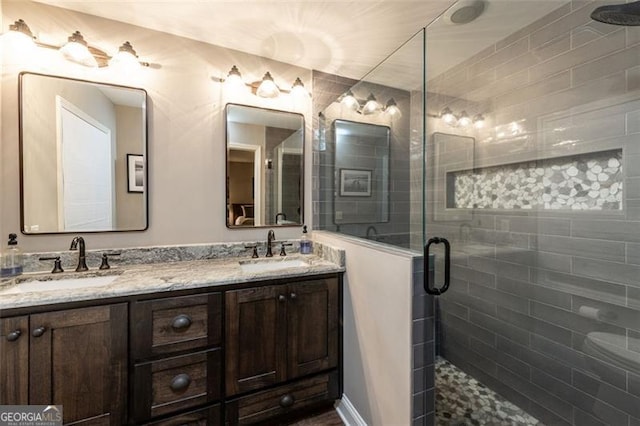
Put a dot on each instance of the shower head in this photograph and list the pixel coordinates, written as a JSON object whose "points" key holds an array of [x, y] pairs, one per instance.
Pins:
{"points": [[627, 14]]}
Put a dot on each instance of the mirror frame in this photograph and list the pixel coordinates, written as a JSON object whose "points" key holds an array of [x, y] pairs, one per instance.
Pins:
{"points": [[21, 153], [226, 168]]}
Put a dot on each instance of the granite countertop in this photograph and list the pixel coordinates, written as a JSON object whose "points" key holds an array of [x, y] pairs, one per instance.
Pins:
{"points": [[157, 277]]}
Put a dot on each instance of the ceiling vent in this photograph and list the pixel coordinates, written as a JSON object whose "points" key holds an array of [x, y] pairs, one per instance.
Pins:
{"points": [[465, 11]]}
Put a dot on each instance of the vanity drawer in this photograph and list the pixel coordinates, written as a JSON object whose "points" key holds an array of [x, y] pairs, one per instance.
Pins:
{"points": [[206, 417], [177, 383], [262, 406], [163, 326]]}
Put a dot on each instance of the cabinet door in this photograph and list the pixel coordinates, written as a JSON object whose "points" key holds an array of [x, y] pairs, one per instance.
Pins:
{"points": [[255, 341], [78, 359], [313, 326], [14, 361]]}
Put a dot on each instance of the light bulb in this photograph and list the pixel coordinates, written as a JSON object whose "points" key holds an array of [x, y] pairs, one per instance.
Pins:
{"points": [[371, 105], [234, 82], [392, 108], [350, 101], [447, 116], [126, 58], [268, 88], [464, 120], [76, 50], [478, 121], [298, 89]]}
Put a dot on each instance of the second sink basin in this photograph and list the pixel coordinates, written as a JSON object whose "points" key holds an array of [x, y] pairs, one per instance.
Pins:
{"points": [[61, 284], [267, 265]]}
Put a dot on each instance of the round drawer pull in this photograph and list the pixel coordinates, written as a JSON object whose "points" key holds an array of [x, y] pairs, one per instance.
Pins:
{"points": [[38, 332], [181, 322], [14, 335], [180, 382], [287, 401], [282, 298]]}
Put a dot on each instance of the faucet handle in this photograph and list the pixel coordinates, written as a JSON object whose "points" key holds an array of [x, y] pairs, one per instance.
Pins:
{"points": [[57, 264], [105, 260], [255, 250], [282, 246]]}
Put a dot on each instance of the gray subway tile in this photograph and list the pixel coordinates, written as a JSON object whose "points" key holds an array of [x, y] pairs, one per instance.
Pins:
{"points": [[571, 320], [535, 359], [501, 358], [606, 229], [423, 330], [618, 61], [584, 419], [500, 298], [583, 247], [559, 26], [453, 308], [500, 327], [600, 269], [609, 394], [536, 393], [578, 398], [573, 284], [420, 379], [536, 225], [607, 312], [419, 404], [469, 329], [535, 325], [560, 352], [473, 276], [535, 292]]}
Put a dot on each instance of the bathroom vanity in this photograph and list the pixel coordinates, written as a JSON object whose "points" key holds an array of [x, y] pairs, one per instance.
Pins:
{"points": [[196, 343]]}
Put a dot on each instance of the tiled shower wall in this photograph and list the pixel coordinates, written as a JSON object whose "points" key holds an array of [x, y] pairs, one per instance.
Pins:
{"points": [[531, 291]]}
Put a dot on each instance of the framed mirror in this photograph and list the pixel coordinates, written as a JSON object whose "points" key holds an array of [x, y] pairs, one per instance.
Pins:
{"points": [[362, 172], [265, 167], [83, 156]]}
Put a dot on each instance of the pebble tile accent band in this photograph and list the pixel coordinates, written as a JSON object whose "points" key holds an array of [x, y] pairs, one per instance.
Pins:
{"points": [[463, 401], [584, 182]]}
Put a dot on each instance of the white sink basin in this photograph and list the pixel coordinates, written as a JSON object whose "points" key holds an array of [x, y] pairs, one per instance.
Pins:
{"points": [[257, 266], [61, 284]]}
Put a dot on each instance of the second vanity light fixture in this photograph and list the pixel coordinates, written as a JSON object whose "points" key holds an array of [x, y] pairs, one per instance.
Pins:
{"points": [[77, 50], [370, 105], [462, 119], [265, 88]]}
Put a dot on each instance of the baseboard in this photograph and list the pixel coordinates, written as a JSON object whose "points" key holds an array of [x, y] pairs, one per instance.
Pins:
{"points": [[348, 413]]}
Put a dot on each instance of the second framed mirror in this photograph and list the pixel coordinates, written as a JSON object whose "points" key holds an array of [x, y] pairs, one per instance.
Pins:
{"points": [[265, 167]]}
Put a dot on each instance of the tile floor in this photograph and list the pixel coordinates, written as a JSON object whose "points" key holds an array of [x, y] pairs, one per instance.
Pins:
{"points": [[463, 401]]}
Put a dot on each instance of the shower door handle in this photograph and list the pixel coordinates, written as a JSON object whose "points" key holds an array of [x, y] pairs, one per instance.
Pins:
{"points": [[428, 285]]}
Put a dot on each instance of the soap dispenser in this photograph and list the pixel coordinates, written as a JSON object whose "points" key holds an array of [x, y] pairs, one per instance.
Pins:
{"points": [[306, 246], [11, 258]]}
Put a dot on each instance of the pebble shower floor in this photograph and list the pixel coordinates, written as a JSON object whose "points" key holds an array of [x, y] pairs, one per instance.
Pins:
{"points": [[463, 401]]}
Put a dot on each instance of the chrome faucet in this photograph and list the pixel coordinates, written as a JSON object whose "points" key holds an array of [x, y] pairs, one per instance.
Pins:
{"points": [[271, 236], [82, 260]]}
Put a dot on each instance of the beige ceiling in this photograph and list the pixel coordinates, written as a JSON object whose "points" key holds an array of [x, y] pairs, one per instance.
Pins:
{"points": [[344, 37]]}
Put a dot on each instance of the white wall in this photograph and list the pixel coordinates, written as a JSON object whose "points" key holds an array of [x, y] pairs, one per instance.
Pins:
{"points": [[186, 124], [377, 330]]}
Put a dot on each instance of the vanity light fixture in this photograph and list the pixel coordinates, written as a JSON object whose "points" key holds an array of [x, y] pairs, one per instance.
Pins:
{"points": [[77, 50], [370, 105], [265, 88], [461, 120]]}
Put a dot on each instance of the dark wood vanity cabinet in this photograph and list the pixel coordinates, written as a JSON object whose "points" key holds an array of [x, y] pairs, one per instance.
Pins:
{"points": [[239, 355], [274, 335], [176, 359], [76, 358]]}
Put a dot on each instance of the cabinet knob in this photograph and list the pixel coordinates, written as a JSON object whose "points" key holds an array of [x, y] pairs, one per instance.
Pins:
{"points": [[37, 332], [282, 298], [14, 335], [180, 382], [293, 296], [181, 322], [287, 401]]}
